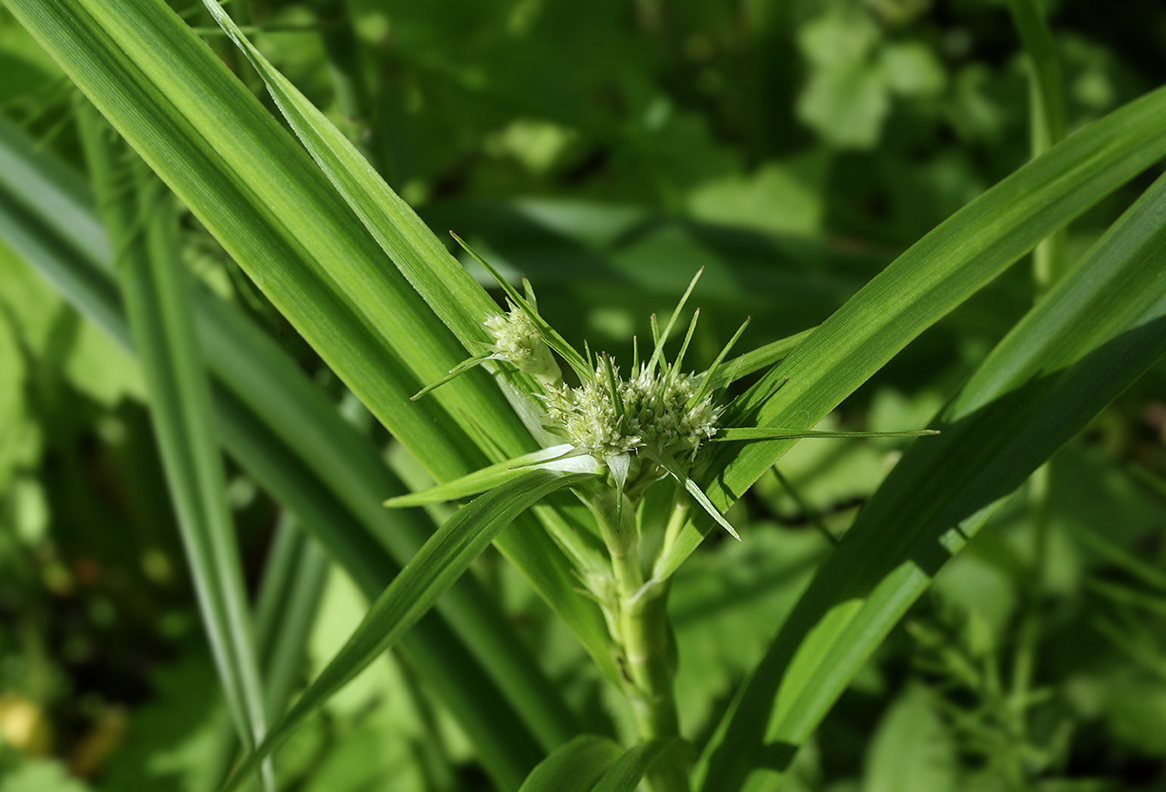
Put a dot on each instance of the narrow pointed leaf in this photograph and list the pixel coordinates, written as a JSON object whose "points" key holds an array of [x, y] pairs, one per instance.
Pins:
{"points": [[709, 381], [581, 367], [287, 435], [745, 433], [1092, 335], [143, 224], [613, 386], [560, 457], [627, 771], [679, 362], [449, 290], [576, 766], [755, 360], [661, 338], [439, 563], [677, 472], [454, 373]]}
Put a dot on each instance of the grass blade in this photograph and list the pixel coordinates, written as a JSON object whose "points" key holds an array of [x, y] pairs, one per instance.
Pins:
{"points": [[279, 217], [492, 476], [1093, 335], [944, 268], [575, 767], [439, 563], [144, 227], [740, 433], [289, 437], [582, 368], [289, 598], [627, 771], [285, 609], [1048, 119]]}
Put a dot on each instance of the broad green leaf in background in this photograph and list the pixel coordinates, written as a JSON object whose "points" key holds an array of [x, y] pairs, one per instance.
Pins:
{"points": [[912, 749], [156, 289], [286, 434], [439, 563], [1093, 335], [258, 192]]}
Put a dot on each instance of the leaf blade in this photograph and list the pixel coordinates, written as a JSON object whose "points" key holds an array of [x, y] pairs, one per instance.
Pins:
{"points": [[1094, 333], [284, 432], [278, 216], [627, 771], [945, 267], [574, 767], [143, 225], [435, 567]]}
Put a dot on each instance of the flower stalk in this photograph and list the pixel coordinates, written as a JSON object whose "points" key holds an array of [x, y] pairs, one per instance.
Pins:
{"points": [[626, 434], [639, 613]]}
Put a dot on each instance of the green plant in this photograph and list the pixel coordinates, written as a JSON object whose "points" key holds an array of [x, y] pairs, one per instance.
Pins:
{"points": [[379, 298]]}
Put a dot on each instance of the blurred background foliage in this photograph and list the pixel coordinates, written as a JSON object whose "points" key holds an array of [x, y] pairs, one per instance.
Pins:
{"points": [[607, 150]]}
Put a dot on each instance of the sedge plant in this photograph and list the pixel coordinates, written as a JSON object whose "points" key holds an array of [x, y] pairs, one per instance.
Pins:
{"points": [[655, 453], [622, 435]]}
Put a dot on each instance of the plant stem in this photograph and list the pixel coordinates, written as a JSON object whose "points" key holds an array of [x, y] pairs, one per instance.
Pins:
{"points": [[644, 633], [646, 639]]}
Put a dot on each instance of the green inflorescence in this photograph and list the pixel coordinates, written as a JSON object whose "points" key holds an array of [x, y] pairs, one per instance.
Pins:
{"points": [[518, 342], [652, 410]]}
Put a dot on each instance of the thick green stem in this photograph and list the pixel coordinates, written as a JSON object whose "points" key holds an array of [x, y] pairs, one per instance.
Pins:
{"points": [[650, 669], [644, 633]]}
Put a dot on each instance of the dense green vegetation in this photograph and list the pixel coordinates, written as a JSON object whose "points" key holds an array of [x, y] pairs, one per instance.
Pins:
{"points": [[213, 314]]}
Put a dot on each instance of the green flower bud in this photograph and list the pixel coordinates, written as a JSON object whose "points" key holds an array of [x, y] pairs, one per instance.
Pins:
{"points": [[518, 341]]}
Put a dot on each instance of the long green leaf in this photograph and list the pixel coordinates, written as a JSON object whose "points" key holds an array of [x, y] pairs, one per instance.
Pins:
{"points": [[439, 563], [461, 304], [1092, 336], [1048, 118], [288, 436], [156, 289], [289, 597], [554, 458], [627, 771], [262, 196], [774, 432], [285, 609], [936, 274], [496, 694], [453, 294], [574, 767]]}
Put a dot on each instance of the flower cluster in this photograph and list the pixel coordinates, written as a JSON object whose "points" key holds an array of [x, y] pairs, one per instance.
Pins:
{"points": [[659, 415], [656, 409]]}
